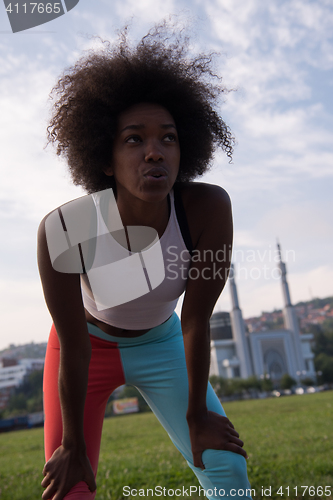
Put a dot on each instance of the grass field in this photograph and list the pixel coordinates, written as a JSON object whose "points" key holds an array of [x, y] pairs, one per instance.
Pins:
{"points": [[289, 442]]}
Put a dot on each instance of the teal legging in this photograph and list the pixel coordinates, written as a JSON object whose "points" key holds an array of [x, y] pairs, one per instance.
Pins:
{"points": [[155, 364]]}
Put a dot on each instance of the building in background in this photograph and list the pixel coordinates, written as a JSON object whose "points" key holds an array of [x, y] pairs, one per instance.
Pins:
{"points": [[12, 374], [236, 352]]}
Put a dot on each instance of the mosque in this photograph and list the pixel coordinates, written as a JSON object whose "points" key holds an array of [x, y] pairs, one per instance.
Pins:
{"points": [[238, 353]]}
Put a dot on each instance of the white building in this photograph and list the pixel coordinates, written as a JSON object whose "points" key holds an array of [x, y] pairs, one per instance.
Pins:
{"points": [[12, 376], [13, 373], [237, 353]]}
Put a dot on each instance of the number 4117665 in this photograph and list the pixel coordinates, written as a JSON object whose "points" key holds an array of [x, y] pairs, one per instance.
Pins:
{"points": [[35, 7], [310, 490]]}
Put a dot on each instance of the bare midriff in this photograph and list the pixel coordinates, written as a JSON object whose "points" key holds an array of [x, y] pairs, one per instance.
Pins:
{"points": [[113, 330]]}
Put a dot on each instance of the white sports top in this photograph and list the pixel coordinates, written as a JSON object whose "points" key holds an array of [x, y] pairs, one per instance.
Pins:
{"points": [[150, 309]]}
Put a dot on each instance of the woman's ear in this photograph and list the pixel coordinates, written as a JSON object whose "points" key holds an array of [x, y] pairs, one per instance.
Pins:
{"points": [[108, 170]]}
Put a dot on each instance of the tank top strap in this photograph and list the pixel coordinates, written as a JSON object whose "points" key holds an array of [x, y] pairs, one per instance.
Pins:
{"points": [[182, 219]]}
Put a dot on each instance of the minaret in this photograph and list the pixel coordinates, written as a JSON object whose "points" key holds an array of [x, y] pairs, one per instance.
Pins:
{"points": [[238, 329], [290, 317]]}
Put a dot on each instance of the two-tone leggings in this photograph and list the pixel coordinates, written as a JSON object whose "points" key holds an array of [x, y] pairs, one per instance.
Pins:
{"points": [[155, 364]]}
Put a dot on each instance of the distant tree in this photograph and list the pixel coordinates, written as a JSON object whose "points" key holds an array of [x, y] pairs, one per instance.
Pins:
{"points": [[287, 381], [215, 382], [266, 384], [312, 328], [327, 327], [235, 386], [323, 350], [324, 364], [17, 403], [308, 381], [252, 383], [225, 387], [32, 384], [319, 303], [220, 385], [27, 397]]}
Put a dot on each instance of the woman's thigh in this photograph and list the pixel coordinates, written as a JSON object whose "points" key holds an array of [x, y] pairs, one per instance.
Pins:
{"points": [[159, 371], [105, 375]]}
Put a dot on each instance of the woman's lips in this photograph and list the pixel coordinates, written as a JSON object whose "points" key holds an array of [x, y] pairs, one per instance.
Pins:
{"points": [[156, 179], [156, 174]]}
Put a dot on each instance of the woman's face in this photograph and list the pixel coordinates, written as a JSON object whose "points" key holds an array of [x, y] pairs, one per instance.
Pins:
{"points": [[146, 153]]}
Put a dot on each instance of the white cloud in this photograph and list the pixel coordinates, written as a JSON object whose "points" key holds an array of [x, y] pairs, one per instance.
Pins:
{"points": [[232, 22], [31, 177], [274, 112], [307, 26], [145, 11]]}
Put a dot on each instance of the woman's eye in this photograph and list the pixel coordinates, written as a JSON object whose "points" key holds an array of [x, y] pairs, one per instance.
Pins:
{"points": [[133, 139], [170, 138]]}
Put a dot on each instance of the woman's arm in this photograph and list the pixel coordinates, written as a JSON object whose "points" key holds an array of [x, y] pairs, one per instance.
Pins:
{"points": [[69, 464], [208, 275]]}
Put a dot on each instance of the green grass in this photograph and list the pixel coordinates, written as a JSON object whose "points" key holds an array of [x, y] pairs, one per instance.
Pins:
{"points": [[289, 442]]}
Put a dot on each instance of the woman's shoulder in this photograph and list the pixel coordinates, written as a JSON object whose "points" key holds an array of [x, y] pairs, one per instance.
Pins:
{"points": [[203, 198], [203, 203], [194, 193], [68, 233]]}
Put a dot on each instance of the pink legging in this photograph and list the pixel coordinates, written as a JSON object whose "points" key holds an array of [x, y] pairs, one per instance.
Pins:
{"points": [[105, 375]]}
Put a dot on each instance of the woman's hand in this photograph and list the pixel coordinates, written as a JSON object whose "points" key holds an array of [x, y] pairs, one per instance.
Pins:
{"points": [[215, 432], [64, 470]]}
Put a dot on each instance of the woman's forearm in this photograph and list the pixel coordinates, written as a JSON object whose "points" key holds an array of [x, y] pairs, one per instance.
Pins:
{"points": [[197, 353], [73, 381]]}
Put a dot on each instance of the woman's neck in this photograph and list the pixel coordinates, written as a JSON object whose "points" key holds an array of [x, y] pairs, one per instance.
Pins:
{"points": [[143, 213]]}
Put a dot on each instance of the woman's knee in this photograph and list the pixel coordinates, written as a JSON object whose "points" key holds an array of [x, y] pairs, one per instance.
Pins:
{"points": [[225, 475], [226, 461]]}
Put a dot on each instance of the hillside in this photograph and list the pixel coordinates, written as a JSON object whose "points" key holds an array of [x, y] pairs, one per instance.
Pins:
{"points": [[31, 350]]}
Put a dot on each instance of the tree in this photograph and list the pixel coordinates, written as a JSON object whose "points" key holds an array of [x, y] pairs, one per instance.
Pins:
{"points": [[323, 342], [327, 326], [323, 350], [266, 384], [27, 397], [17, 403], [225, 387], [308, 381], [219, 385], [287, 381], [324, 364], [252, 383]]}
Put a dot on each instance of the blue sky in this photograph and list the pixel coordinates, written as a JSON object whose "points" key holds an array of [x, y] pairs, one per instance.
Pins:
{"points": [[277, 55]]}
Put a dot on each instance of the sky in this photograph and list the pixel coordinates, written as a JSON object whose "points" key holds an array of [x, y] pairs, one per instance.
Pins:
{"points": [[276, 58]]}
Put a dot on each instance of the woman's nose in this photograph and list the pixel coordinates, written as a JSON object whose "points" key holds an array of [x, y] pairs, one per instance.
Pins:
{"points": [[153, 153]]}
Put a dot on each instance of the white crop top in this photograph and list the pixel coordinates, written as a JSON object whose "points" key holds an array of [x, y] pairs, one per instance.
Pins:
{"points": [[156, 306]]}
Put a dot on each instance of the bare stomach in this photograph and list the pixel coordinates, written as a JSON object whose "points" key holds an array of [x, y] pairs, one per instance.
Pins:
{"points": [[113, 330]]}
